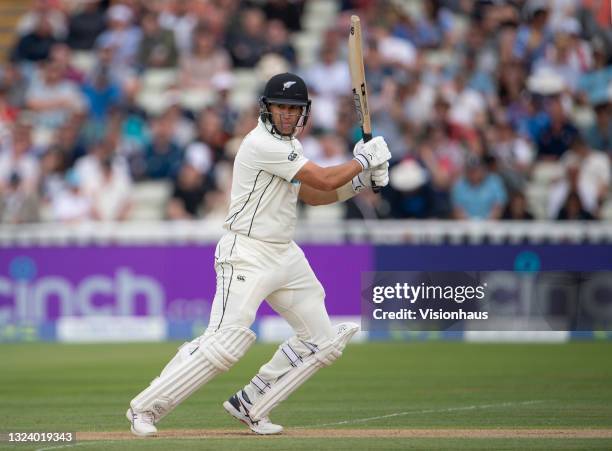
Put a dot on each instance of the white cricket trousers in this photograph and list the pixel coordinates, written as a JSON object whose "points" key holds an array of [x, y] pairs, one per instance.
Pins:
{"points": [[249, 271]]}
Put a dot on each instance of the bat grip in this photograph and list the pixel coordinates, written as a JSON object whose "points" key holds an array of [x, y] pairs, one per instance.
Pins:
{"points": [[366, 138]]}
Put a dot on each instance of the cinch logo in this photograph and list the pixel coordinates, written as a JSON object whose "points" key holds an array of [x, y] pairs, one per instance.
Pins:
{"points": [[23, 296]]}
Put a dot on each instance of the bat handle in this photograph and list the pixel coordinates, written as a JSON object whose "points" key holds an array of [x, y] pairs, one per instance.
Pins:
{"points": [[366, 138]]}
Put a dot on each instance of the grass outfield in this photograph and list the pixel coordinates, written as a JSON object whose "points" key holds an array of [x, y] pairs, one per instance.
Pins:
{"points": [[378, 396]]}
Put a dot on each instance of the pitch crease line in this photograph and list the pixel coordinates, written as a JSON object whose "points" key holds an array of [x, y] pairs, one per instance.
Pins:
{"points": [[416, 412]]}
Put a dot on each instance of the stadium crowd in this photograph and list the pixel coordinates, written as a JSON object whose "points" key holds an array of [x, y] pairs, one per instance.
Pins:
{"points": [[490, 108]]}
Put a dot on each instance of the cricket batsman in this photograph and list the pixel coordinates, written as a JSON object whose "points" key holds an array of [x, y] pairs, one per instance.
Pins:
{"points": [[257, 259]]}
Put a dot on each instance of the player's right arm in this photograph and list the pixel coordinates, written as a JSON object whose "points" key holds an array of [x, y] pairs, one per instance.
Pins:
{"points": [[329, 178], [367, 156]]}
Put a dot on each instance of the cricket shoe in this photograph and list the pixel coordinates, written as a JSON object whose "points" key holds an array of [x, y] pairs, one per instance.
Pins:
{"points": [[143, 423], [238, 406]]}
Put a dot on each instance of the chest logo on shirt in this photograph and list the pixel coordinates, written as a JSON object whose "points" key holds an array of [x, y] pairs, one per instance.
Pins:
{"points": [[292, 156]]}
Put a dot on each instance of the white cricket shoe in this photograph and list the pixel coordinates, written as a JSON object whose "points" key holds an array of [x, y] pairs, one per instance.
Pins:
{"points": [[238, 407], [143, 423]]}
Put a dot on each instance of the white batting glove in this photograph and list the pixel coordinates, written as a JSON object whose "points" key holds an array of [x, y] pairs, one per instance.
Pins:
{"points": [[380, 174], [373, 153], [362, 181]]}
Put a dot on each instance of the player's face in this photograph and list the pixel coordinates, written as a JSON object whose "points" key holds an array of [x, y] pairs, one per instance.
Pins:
{"points": [[285, 117]]}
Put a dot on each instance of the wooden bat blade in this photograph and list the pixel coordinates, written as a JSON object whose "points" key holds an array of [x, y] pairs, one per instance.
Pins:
{"points": [[358, 81]]}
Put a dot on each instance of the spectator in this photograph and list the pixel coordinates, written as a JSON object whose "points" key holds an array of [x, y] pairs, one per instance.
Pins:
{"points": [[18, 205], [181, 17], [35, 45], [277, 41], [588, 174], [210, 132], [157, 46], [71, 205], [513, 155], [287, 11], [333, 151], [94, 176], [101, 94], [516, 209], [554, 139], [189, 193], [85, 26], [328, 79], [111, 201], [52, 99], [206, 61], [62, 56], [573, 210], [19, 158], [479, 194], [599, 135], [69, 140], [50, 11], [162, 156], [121, 36], [51, 181], [246, 45], [533, 37]]}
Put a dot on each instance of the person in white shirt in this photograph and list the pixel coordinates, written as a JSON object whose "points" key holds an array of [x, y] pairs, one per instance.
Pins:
{"points": [[257, 259]]}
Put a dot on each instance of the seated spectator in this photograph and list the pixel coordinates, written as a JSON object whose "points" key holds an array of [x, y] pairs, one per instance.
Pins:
{"points": [[206, 60], [246, 45], [567, 55], [101, 94], [573, 209], [599, 135], [121, 36], [333, 151], [111, 201], [189, 193], [533, 37], [71, 205], [157, 46], [182, 18], [50, 10], [51, 181], [162, 156], [8, 112], [62, 56], [277, 41], [210, 132], [19, 158], [36, 45], [587, 174], [513, 155], [479, 194], [558, 135], [17, 204], [93, 174], [516, 209], [52, 99], [85, 26], [287, 11]]}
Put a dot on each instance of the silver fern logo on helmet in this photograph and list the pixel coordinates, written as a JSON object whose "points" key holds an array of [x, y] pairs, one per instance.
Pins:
{"points": [[288, 84]]}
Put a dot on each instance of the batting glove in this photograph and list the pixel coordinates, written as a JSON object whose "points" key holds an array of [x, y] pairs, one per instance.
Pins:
{"points": [[373, 153]]}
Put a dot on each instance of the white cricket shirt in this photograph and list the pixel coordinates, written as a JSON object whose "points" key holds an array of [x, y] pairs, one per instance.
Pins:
{"points": [[264, 193]]}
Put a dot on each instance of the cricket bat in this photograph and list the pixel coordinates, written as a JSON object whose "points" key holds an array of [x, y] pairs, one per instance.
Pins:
{"points": [[358, 82]]}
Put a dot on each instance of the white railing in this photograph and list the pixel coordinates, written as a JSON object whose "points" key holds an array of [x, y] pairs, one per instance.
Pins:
{"points": [[377, 232]]}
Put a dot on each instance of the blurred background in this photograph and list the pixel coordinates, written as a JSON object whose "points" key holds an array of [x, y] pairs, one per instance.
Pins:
{"points": [[120, 120]]}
